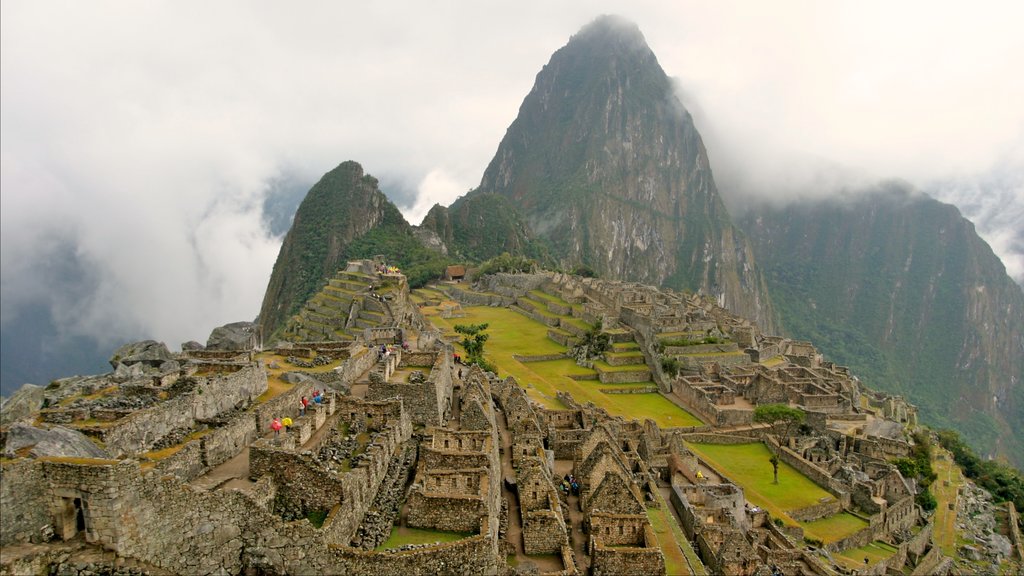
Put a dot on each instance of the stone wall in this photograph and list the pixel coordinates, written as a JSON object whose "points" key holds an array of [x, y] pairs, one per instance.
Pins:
{"points": [[811, 513], [100, 486], [817, 475], [623, 561], [448, 460], [450, 512], [544, 532], [23, 499], [426, 402], [227, 441], [212, 396], [304, 484], [186, 464]]}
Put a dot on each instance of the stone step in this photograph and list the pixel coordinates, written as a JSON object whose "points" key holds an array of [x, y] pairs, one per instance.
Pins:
{"points": [[624, 358]]}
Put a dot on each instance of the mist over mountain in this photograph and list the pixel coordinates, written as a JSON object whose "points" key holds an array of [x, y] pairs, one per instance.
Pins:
{"points": [[994, 202]]}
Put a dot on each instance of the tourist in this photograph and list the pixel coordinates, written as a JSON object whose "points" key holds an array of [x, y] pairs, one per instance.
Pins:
{"points": [[276, 426], [302, 408], [286, 422]]}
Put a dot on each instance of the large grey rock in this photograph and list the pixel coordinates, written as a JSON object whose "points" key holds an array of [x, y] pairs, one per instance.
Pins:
{"points": [[148, 352], [57, 441], [23, 403], [126, 372], [234, 336], [191, 346]]}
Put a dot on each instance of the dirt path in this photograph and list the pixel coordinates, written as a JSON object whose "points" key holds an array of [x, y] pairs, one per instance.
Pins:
{"points": [[514, 532], [577, 539]]}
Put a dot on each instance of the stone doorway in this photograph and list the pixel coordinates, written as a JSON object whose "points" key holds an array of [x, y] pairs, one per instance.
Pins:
{"points": [[74, 517]]}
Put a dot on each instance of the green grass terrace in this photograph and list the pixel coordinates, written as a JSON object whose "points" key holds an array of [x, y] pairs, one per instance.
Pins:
{"points": [[513, 334], [748, 466]]}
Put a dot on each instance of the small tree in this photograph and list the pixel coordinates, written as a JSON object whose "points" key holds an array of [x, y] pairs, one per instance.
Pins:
{"points": [[473, 340], [778, 415]]}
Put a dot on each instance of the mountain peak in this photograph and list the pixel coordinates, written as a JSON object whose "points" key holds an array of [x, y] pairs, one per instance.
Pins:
{"points": [[607, 168], [611, 30]]}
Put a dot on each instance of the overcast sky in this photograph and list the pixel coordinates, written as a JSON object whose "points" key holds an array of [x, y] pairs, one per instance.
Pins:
{"points": [[142, 135]]}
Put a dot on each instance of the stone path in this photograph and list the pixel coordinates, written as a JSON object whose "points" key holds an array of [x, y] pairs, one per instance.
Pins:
{"points": [[574, 522], [514, 532]]}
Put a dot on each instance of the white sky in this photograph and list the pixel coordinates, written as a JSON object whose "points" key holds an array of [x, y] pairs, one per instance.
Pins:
{"points": [[144, 133]]}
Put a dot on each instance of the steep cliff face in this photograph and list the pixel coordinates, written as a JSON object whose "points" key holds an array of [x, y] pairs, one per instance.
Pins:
{"points": [[344, 205], [901, 288], [608, 169]]}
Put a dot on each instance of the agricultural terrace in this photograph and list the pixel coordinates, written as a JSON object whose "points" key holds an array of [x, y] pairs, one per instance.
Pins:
{"points": [[514, 334], [947, 484], [748, 466]]}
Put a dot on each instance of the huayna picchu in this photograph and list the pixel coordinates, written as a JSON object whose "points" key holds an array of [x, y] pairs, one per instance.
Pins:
{"points": [[451, 399]]}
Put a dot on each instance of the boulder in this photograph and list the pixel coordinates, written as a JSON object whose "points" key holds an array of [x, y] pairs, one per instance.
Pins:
{"points": [[191, 346], [26, 401], [125, 372], [234, 336], [57, 441], [149, 352]]}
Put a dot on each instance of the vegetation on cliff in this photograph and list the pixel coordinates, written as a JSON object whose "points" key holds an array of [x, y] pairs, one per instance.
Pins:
{"points": [[900, 288]]}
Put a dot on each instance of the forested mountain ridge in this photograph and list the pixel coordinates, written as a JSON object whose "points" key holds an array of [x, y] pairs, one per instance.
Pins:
{"points": [[900, 287]]}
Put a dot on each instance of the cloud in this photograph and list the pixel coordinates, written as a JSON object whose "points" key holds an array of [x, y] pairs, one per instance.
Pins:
{"points": [[144, 137]]}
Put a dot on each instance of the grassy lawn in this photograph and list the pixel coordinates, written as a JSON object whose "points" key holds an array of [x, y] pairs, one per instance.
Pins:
{"points": [[945, 519], [402, 535], [512, 333], [675, 561], [854, 557], [748, 466], [834, 528]]}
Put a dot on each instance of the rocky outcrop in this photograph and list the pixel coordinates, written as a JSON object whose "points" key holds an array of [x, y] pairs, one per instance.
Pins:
{"points": [[234, 336], [148, 352], [23, 403], [57, 441]]}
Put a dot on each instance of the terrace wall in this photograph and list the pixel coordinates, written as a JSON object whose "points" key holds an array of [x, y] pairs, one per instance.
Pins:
{"points": [[23, 499], [138, 432]]}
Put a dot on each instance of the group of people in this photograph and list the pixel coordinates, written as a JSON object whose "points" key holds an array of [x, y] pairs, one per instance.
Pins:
{"points": [[385, 269], [279, 423], [318, 398], [569, 484]]}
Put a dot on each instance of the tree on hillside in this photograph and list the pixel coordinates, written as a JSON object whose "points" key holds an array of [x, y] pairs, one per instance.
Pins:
{"points": [[473, 338], [779, 416]]}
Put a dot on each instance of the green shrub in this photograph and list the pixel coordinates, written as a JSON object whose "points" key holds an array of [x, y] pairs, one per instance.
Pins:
{"points": [[670, 365]]}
